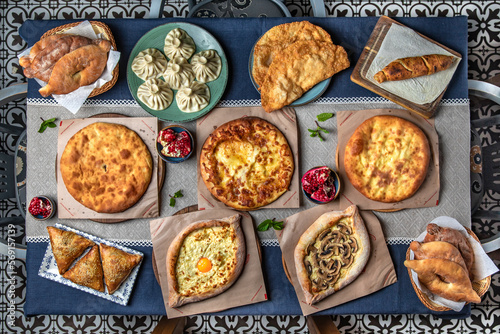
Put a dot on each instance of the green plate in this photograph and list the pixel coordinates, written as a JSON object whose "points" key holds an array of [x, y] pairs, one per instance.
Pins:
{"points": [[155, 38]]}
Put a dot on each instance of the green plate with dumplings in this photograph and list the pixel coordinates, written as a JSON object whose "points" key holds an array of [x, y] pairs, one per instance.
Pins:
{"points": [[203, 40]]}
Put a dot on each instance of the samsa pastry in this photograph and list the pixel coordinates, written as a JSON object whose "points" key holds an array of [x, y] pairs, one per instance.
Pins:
{"points": [[179, 44], [88, 271], [155, 94], [207, 65], [193, 98], [117, 266], [149, 63], [178, 73], [66, 246]]}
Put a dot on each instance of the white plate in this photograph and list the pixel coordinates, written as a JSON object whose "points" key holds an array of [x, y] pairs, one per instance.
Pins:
{"points": [[48, 269]]}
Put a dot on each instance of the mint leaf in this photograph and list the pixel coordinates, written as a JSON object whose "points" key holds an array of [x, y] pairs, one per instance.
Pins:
{"points": [[324, 116], [266, 224], [47, 123], [172, 201], [278, 225], [178, 194], [42, 128]]}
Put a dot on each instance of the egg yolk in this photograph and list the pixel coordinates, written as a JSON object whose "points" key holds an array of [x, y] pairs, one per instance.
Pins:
{"points": [[204, 265]]}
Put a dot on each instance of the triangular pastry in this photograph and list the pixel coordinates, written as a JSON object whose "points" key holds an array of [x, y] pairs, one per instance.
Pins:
{"points": [[117, 265], [66, 246], [88, 271]]}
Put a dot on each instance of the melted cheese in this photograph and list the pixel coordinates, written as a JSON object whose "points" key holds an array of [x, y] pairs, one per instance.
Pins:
{"points": [[216, 244]]}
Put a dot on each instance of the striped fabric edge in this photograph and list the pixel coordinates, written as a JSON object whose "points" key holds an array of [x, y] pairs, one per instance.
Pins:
{"points": [[124, 242]]}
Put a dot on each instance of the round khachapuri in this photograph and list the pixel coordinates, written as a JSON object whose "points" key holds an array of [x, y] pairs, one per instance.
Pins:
{"points": [[106, 167]]}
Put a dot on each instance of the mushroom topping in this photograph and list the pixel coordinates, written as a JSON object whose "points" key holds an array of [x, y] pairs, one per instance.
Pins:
{"points": [[319, 284], [323, 234], [331, 279], [308, 267], [336, 235], [345, 229], [347, 251], [333, 267], [310, 248], [354, 244], [326, 253], [347, 261]]}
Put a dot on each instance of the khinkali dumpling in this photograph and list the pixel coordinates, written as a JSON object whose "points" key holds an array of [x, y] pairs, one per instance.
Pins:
{"points": [[179, 43], [156, 94], [193, 98], [206, 65], [178, 73], [149, 63]]}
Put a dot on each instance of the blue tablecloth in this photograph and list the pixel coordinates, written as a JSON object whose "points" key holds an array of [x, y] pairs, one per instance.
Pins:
{"points": [[237, 37]]}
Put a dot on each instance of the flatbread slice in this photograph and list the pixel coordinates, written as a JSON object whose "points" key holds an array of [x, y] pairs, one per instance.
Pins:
{"points": [[117, 266], [204, 260], [66, 246], [331, 253], [88, 271]]}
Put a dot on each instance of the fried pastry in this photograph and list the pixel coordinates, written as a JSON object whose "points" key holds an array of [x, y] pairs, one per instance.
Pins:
{"points": [[413, 67], [444, 278], [79, 68], [88, 271], [454, 237], [279, 38], [117, 266], [66, 246], [297, 69], [437, 250]]}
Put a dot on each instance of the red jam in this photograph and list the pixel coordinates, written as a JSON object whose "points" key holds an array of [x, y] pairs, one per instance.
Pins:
{"points": [[175, 145], [40, 207]]}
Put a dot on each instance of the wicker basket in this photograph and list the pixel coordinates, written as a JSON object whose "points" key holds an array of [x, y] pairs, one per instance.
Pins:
{"points": [[99, 28], [480, 286]]}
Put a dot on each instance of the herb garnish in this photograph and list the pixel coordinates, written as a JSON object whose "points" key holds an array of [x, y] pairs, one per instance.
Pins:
{"points": [[317, 131], [50, 123], [176, 195], [266, 224], [324, 116]]}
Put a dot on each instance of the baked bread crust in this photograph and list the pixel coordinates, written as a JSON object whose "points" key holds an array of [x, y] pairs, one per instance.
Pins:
{"points": [[117, 266], [279, 38], [336, 246], [246, 163], [223, 245], [386, 159], [88, 271], [106, 167], [66, 246]]}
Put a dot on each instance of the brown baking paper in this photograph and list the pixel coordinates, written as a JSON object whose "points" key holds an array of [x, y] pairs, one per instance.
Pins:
{"points": [[378, 273], [249, 288], [285, 120], [146, 207], [428, 193]]}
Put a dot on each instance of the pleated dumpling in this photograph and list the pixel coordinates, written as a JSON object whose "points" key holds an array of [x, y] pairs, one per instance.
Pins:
{"points": [[179, 43], [206, 65], [156, 94], [178, 73], [149, 63], [193, 98]]}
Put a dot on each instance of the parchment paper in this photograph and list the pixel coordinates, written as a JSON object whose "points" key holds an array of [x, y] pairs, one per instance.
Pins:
{"points": [[379, 272], [428, 193], [483, 265], [285, 120], [249, 288], [401, 42], [146, 207]]}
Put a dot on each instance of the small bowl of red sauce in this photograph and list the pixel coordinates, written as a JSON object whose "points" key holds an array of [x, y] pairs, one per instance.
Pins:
{"points": [[41, 207], [321, 185], [174, 144]]}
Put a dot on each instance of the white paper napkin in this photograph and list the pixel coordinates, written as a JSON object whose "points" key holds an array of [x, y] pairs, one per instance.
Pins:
{"points": [[483, 265], [74, 100]]}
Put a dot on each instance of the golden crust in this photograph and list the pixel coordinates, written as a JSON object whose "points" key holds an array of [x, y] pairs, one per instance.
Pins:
{"points": [[224, 245], [66, 246], [297, 69], [246, 163], [88, 271], [331, 253], [386, 159], [117, 266], [106, 167], [277, 39]]}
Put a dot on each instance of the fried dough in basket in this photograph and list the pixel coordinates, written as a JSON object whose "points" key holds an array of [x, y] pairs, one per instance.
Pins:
{"points": [[79, 68], [279, 38], [297, 69]]}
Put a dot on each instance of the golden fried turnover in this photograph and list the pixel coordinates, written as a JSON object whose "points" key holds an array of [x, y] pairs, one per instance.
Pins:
{"points": [[79, 68], [444, 278], [437, 250], [297, 69], [279, 38], [88, 271], [117, 266], [66, 246]]}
